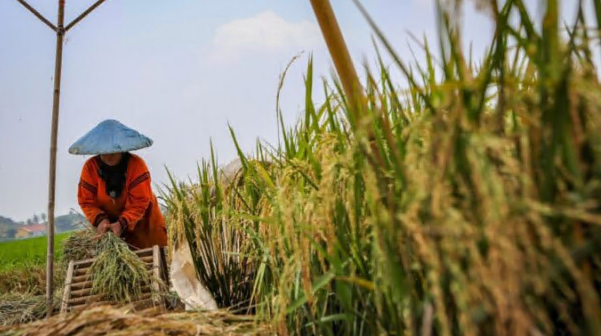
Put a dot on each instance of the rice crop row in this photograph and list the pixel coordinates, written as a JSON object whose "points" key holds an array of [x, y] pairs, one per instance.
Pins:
{"points": [[464, 204]]}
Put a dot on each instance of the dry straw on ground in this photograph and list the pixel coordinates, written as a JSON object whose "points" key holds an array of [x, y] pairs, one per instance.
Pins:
{"points": [[19, 308], [113, 321]]}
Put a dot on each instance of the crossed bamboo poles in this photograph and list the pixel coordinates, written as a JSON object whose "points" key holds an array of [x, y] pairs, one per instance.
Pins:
{"points": [[334, 41]]}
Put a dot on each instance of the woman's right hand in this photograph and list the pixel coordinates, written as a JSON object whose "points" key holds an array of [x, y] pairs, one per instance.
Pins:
{"points": [[103, 227]]}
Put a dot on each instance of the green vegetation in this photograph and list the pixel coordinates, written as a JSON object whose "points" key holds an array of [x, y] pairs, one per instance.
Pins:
{"points": [[23, 265], [28, 252], [467, 204]]}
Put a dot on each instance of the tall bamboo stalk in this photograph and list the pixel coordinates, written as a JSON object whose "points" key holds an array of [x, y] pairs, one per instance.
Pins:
{"points": [[60, 33], [340, 56], [346, 70]]}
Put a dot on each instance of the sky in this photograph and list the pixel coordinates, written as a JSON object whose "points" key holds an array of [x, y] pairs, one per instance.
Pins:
{"points": [[178, 71]]}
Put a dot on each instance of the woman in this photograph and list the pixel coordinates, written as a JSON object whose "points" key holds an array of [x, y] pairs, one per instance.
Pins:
{"points": [[115, 190]]}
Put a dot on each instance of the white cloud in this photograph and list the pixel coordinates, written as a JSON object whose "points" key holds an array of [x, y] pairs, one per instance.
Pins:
{"points": [[264, 32]]}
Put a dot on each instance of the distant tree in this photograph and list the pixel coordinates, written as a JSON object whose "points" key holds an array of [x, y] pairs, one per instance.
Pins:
{"points": [[44, 217], [69, 222], [29, 222], [36, 219], [10, 233]]}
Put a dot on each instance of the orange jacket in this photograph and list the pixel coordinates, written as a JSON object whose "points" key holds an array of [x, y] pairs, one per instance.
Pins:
{"points": [[136, 208]]}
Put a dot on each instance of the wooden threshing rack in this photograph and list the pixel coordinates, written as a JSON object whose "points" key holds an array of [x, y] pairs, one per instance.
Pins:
{"points": [[78, 285]]}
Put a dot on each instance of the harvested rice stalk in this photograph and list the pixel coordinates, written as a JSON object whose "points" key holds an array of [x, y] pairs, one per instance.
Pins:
{"points": [[122, 322], [117, 273], [29, 278], [19, 308], [80, 245]]}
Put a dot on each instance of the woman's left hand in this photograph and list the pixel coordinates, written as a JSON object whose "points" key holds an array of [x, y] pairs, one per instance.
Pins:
{"points": [[116, 228]]}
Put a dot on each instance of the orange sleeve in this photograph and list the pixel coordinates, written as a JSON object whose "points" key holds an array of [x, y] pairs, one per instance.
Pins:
{"points": [[138, 197], [86, 195]]}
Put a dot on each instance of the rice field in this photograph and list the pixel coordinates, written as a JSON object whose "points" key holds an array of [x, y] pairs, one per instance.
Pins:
{"points": [[28, 252], [464, 204], [23, 265]]}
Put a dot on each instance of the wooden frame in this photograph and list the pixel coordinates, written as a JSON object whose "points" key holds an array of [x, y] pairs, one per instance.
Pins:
{"points": [[78, 287]]}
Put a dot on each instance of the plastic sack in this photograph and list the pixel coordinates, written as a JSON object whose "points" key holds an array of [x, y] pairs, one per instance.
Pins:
{"points": [[185, 281]]}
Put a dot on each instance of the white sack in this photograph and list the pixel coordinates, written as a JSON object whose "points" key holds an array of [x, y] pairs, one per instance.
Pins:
{"points": [[185, 281]]}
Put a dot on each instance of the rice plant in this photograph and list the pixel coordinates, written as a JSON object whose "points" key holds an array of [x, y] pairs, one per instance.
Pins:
{"points": [[465, 204], [203, 215]]}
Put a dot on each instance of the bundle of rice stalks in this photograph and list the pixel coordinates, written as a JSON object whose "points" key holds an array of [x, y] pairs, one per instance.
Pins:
{"points": [[80, 245], [118, 274], [111, 321]]}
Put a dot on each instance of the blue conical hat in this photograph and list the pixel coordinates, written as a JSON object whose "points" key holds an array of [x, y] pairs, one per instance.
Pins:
{"points": [[110, 136]]}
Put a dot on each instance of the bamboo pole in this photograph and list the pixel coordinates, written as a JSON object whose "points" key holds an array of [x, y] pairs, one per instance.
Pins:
{"points": [[60, 33], [37, 14], [84, 14], [341, 57], [346, 71]]}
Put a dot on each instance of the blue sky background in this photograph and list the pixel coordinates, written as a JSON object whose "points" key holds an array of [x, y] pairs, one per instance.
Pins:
{"points": [[178, 71]]}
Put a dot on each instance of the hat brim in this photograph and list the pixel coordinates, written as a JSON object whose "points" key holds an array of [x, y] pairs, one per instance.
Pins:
{"points": [[110, 137]]}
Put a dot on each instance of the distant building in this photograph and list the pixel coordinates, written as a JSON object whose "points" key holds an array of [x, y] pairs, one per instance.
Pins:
{"points": [[29, 231]]}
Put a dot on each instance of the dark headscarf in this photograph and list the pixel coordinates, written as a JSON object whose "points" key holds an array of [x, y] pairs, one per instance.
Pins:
{"points": [[114, 176]]}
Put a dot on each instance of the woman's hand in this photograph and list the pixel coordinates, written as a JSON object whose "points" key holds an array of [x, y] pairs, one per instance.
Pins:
{"points": [[116, 228], [103, 227]]}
